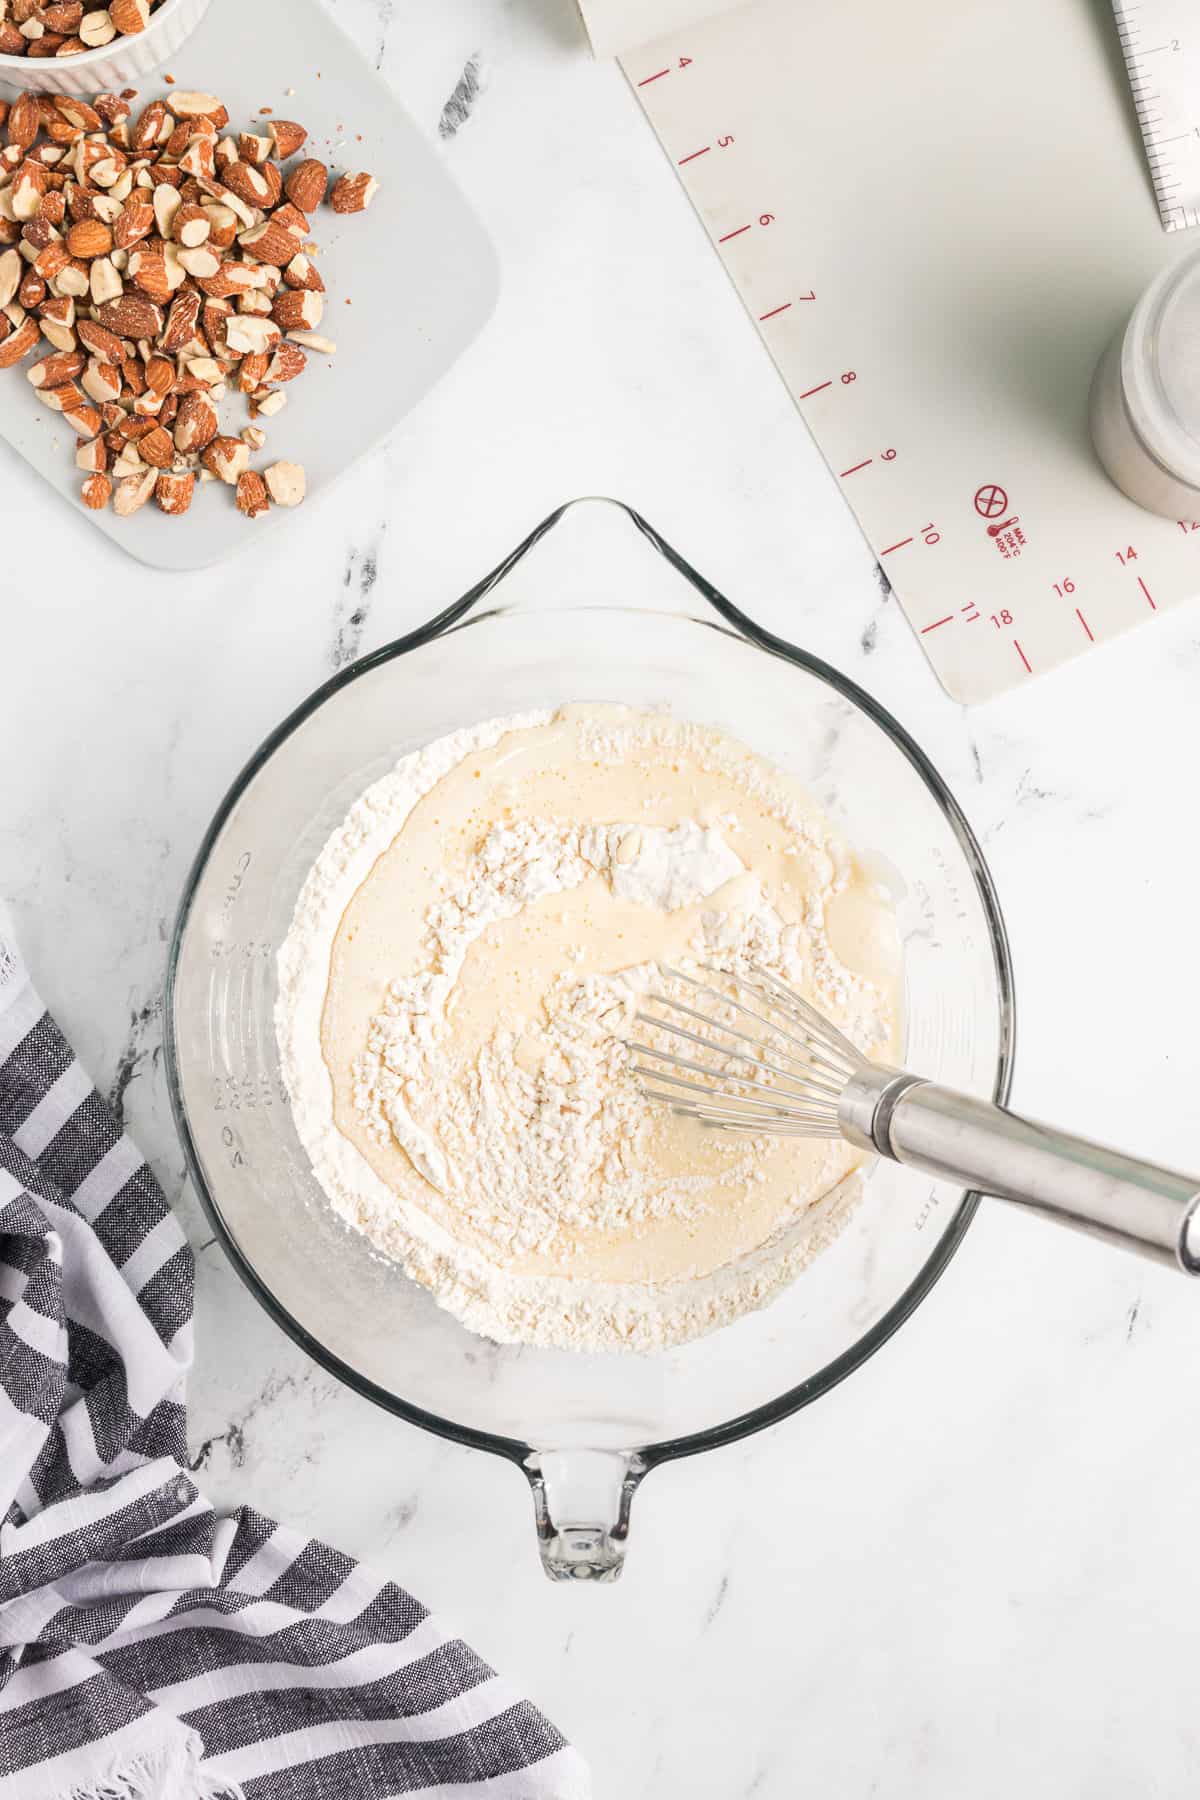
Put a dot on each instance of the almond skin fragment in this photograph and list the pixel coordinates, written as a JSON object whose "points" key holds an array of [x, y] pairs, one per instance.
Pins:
{"points": [[306, 186]]}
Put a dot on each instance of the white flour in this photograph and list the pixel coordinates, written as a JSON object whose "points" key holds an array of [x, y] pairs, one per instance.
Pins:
{"points": [[537, 1134]]}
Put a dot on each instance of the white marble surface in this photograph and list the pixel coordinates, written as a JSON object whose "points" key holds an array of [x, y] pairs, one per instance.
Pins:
{"points": [[969, 1570]]}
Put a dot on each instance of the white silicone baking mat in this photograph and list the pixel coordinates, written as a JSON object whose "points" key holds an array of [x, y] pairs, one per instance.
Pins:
{"points": [[411, 281], [937, 217]]}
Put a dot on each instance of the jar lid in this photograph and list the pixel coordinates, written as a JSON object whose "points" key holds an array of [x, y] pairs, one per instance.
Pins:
{"points": [[1160, 369]]}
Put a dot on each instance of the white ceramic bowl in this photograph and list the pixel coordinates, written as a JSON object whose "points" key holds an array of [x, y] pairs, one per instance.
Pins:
{"points": [[126, 62]]}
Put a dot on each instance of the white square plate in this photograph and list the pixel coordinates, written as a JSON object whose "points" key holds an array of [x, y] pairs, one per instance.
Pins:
{"points": [[410, 282]]}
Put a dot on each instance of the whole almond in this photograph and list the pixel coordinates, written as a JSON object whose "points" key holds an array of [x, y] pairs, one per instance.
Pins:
{"points": [[23, 121], [89, 238], [305, 187], [160, 376]]}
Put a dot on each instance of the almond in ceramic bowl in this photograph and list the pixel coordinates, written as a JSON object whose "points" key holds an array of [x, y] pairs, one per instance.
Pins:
{"points": [[109, 46]]}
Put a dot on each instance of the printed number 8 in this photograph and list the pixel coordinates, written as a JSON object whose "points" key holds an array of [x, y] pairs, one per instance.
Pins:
{"points": [[849, 376]]}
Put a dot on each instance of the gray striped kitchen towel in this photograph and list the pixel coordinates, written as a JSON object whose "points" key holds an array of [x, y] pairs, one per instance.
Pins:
{"points": [[150, 1650]]}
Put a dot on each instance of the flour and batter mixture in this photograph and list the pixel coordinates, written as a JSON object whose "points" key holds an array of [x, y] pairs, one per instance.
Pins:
{"points": [[458, 984]]}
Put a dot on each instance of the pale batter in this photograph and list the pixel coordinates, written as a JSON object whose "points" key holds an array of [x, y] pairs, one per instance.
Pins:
{"points": [[458, 984]]}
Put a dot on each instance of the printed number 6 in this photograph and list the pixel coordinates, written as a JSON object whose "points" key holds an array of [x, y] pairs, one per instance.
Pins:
{"points": [[766, 218]]}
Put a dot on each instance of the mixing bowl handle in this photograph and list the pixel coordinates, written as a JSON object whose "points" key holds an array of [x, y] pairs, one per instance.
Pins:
{"points": [[581, 1504], [1133, 1203]]}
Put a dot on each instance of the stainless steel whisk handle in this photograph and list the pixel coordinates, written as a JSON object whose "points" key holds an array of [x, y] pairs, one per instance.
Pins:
{"points": [[1081, 1184]]}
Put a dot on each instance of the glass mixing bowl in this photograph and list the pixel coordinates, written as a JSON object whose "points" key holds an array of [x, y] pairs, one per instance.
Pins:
{"points": [[594, 605]]}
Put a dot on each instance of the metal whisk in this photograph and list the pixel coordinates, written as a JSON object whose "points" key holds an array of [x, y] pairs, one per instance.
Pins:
{"points": [[753, 1056]]}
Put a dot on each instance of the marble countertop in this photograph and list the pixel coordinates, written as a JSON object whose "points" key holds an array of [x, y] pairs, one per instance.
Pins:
{"points": [[967, 1570]]}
